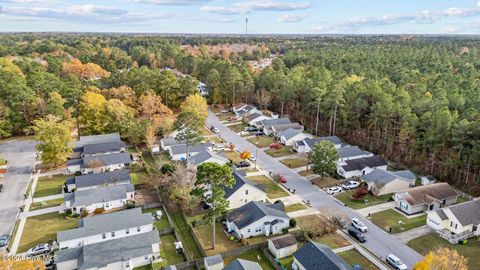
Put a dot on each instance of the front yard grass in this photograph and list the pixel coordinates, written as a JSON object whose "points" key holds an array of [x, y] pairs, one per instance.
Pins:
{"points": [[159, 224], [253, 256], [233, 156], [294, 162], [43, 229], [432, 241], [326, 181], [353, 257], [184, 231], [238, 127], [46, 204], [273, 189], [390, 218], [344, 197], [168, 252], [283, 151], [295, 207], [306, 172], [261, 141], [50, 185], [333, 240], [225, 116], [222, 243], [139, 177]]}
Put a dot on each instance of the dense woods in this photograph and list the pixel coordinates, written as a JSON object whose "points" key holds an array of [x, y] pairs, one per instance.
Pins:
{"points": [[415, 100]]}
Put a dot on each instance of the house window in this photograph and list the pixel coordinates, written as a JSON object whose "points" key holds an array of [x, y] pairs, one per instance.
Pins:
{"points": [[127, 231], [104, 236], [246, 192], [451, 223], [248, 230], [113, 234], [456, 225], [138, 229], [146, 257]]}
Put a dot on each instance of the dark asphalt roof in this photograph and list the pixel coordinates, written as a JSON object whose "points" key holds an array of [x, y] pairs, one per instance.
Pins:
{"points": [[253, 116], [314, 256], [351, 151], [362, 163], [277, 121], [240, 180], [96, 179], [282, 241], [253, 211], [98, 148], [241, 264]]}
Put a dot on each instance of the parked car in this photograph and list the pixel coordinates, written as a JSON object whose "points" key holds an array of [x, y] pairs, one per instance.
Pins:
{"points": [[359, 225], [350, 185], [395, 262], [251, 129], [252, 158], [282, 179], [39, 249], [49, 264], [4, 240], [214, 130], [358, 235], [334, 190], [242, 164], [259, 133]]}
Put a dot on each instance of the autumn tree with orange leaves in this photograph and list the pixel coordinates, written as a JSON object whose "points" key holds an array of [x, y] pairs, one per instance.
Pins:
{"points": [[84, 71], [442, 259]]}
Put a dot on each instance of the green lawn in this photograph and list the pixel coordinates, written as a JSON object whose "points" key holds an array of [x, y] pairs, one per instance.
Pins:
{"points": [[43, 229], [284, 151], [273, 189], [358, 204], [253, 256], [294, 162], [222, 243], [168, 251], [238, 127], [139, 177], [187, 238], [50, 185], [333, 240], [163, 222], [390, 218], [46, 204], [431, 241], [261, 141], [354, 257], [295, 207]]}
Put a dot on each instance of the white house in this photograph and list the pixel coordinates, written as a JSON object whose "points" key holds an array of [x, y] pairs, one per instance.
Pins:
{"points": [[245, 110], [426, 198], [89, 181], [315, 256], [115, 254], [243, 191], [214, 262], [275, 130], [257, 218], [381, 182], [267, 123], [108, 198], [179, 152], [290, 136], [99, 163], [456, 222], [361, 166], [101, 228], [351, 152], [254, 118], [166, 143], [282, 246], [207, 156], [308, 144]]}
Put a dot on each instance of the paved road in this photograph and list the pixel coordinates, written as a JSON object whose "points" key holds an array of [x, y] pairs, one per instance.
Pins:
{"points": [[21, 157], [378, 242]]}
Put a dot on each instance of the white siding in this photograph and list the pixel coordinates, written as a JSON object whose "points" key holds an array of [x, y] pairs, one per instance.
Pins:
{"points": [[240, 197]]}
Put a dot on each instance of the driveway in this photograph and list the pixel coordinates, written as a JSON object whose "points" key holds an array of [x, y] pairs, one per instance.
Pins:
{"points": [[378, 242], [21, 157]]}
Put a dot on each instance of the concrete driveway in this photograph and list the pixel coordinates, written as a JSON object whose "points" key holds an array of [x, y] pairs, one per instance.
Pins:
{"points": [[21, 157], [378, 242]]}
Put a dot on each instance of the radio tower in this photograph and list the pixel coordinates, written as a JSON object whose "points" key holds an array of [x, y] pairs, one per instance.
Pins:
{"points": [[246, 30]]}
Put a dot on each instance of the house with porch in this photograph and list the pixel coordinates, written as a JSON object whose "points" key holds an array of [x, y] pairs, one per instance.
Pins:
{"points": [[381, 182], [426, 198], [89, 181], [361, 166]]}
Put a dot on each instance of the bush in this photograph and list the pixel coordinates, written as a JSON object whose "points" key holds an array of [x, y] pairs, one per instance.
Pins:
{"points": [[285, 230], [130, 204], [360, 193], [99, 211], [275, 146], [136, 167], [84, 213], [293, 223], [167, 168]]}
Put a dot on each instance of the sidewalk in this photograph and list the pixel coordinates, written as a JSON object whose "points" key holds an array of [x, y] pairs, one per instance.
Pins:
{"points": [[376, 208], [48, 198], [43, 211], [413, 233], [305, 212]]}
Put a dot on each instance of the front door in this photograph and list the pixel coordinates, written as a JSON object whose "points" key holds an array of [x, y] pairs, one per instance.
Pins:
{"points": [[430, 207], [474, 229]]}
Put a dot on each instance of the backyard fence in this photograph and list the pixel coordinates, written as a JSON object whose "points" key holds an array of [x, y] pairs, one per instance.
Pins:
{"points": [[194, 236]]}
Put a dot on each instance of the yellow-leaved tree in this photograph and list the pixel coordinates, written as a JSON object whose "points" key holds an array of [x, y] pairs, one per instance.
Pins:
{"points": [[196, 104], [91, 110], [25, 264], [442, 259]]}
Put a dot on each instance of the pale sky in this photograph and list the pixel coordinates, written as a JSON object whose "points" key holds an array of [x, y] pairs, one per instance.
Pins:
{"points": [[222, 16]]}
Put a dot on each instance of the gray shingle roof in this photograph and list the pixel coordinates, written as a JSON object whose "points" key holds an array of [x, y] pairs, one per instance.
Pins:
{"points": [[241, 264], [203, 156], [429, 193], [282, 241], [290, 133], [96, 179], [362, 163], [283, 127], [109, 159], [92, 139], [382, 177], [467, 213], [314, 256], [73, 162], [98, 148], [213, 260], [240, 180], [441, 214], [253, 211], [277, 121], [169, 141], [351, 151], [111, 251], [98, 195], [312, 141], [253, 116], [182, 148], [109, 222]]}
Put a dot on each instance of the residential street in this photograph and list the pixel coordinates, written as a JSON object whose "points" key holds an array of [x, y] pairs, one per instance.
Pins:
{"points": [[378, 242], [21, 157]]}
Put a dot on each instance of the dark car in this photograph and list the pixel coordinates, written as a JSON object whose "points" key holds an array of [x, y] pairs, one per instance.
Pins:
{"points": [[242, 164], [251, 129], [4, 240], [358, 235], [259, 133]]}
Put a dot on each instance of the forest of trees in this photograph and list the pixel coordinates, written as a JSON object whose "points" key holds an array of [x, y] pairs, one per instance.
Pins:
{"points": [[414, 100]]}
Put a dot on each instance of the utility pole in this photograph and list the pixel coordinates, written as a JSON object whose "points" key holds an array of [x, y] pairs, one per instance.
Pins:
{"points": [[246, 30]]}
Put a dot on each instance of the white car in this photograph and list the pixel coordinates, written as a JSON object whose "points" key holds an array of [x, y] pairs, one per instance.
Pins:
{"points": [[359, 225], [215, 130], [334, 190], [395, 262], [350, 185], [39, 249]]}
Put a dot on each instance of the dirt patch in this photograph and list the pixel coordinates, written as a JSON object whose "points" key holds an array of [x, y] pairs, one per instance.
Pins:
{"points": [[145, 196]]}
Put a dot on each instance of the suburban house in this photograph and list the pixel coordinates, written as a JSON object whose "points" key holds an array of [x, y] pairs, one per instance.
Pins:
{"points": [[361, 166], [89, 181], [243, 191], [241, 264], [282, 246], [427, 180], [166, 143], [114, 254], [245, 110], [253, 118], [351, 152], [456, 222], [308, 144], [207, 156], [214, 262], [426, 198], [275, 130], [99, 163], [93, 139], [315, 256], [290, 136], [267, 123], [257, 218], [101, 228], [90, 150], [108, 198], [381, 182], [179, 152]]}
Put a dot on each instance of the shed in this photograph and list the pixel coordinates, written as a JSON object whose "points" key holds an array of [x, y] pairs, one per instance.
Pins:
{"points": [[282, 246], [214, 262]]}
